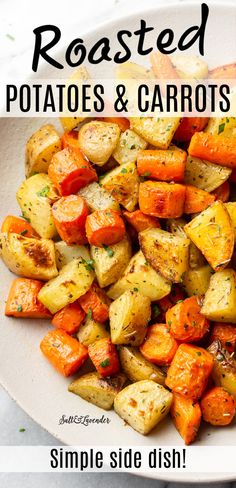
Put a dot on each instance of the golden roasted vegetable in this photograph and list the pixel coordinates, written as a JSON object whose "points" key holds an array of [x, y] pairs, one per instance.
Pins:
{"points": [[73, 281], [133, 71], [137, 368], [99, 391], [35, 197], [167, 253], [40, 148], [109, 264], [190, 67], [129, 316], [223, 125], [32, 258], [128, 147], [213, 233], [196, 281], [155, 130], [65, 253], [224, 369], [123, 184], [98, 140], [231, 208], [143, 405], [140, 274], [78, 77], [204, 175], [91, 331], [176, 226], [97, 198], [220, 299]]}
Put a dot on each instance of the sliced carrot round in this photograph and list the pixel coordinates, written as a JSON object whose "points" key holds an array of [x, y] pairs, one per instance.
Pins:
{"points": [[186, 322], [104, 227], [70, 215], [159, 346], [218, 406]]}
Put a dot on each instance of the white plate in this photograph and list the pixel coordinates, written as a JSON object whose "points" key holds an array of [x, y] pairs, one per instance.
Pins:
{"points": [[24, 372]]}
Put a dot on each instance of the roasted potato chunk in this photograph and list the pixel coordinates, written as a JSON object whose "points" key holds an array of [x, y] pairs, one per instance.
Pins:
{"points": [[190, 67], [223, 125], [196, 281], [213, 233], [155, 130], [220, 299], [97, 198], [128, 147], [133, 71], [98, 140], [91, 331], [143, 405], [231, 208], [224, 369], [28, 257], [204, 175], [123, 184], [137, 367], [79, 76], [167, 253], [40, 148], [140, 275], [176, 226], [99, 391], [65, 253]]}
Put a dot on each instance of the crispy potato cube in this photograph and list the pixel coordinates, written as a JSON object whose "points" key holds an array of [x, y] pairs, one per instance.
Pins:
{"points": [[91, 331], [204, 175], [231, 208], [128, 147], [224, 369], [220, 299], [190, 67], [78, 77], [98, 140], [221, 126], [137, 367], [65, 253], [40, 148], [176, 226], [123, 184], [196, 281], [157, 131], [97, 390], [97, 198]]}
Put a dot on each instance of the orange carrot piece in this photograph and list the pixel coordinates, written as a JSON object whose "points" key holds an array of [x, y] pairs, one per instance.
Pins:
{"points": [[226, 334], [64, 352], [70, 171], [123, 123], [188, 126], [222, 192], [186, 416], [186, 322], [162, 165], [160, 199], [69, 318], [104, 227], [23, 300], [159, 346], [175, 296], [214, 148], [162, 67], [218, 406], [225, 72], [70, 215], [97, 301], [70, 139], [12, 224], [140, 221], [189, 371], [104, 356], [197, 200]]}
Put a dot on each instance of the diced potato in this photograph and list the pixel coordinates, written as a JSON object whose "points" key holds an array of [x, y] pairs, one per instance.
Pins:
{"points": [[123, 184], [196, 281], [143, 405], [40, 148], [129, 316], [128, 147], [28, 257], [225, 126], [220, 299], [190, 67], [110, 267], [155, 130], [140, 275], [224, 369], [99, 391], [176, 226], [137, 368], [97, 198], [35, 196], [213, 233], [73, 281], [91, 331], [78, 76], [133, 71], [65, 253], [231, 208], [167, 253], [98, 140], [204, 175]]}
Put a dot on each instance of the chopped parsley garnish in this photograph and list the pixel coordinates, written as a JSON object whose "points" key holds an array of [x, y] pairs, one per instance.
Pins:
{"points": [[44, 192], [135, 289], [21, 429], [124, 170], [221, 128], [19, 308], [89, 314], [23, 232], [155, 310], [109, 251], [105, 363], [89, 264], [24, 217], [199, 353]]}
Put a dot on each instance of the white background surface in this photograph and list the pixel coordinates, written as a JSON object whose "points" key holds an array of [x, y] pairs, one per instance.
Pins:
{"points": [[17, 20]]}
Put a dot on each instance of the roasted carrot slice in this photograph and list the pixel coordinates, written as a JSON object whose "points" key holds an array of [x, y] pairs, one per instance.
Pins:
{"points": [[140, 221], [104, 227], [70, 139], [189, 371], [159, 346], [218, 406], [186, 322], [160, 199], [104, 356], [70, 215], [175, 296], [188, 126], [64, 352], [197, 200], [186, 416], [69, 318], [222, 192], [23, 300], [226, 334], [217, 149], [162, 165], [96, 301], [225, 72], [70, 171], [15, 225], [162, 66]]}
